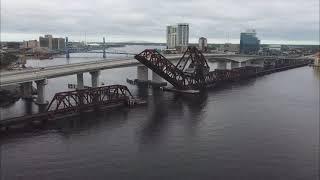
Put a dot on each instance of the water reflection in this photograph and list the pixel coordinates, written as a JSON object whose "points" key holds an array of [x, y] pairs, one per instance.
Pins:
{"points": [[28, 105], [167, 109]]}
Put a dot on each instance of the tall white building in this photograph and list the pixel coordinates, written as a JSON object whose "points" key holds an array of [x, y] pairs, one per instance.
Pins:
{"points": [[171, 37], [178, 36]]}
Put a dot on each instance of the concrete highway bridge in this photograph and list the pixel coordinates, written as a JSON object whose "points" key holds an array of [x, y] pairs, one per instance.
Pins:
{"points": [[40, 75]]}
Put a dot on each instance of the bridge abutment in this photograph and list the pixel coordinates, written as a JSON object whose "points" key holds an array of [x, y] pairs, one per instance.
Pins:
{"points": [[80, 84], [41, 91], [26, 90], [142, 73], [95, 78]]}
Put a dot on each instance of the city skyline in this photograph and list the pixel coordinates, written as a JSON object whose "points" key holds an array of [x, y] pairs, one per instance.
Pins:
{"points": [[285, 22]]}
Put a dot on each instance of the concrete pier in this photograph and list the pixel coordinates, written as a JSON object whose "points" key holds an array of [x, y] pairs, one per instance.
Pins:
{"points": [[222, 65], [234, 64], [67, 49], [80, 84], [142, 73], [156, 78], [26, 90], [104, 47], [95, 78], [41, 91]]}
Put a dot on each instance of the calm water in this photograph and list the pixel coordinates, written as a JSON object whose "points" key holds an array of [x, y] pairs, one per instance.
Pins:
{"points": [[264, 128]]}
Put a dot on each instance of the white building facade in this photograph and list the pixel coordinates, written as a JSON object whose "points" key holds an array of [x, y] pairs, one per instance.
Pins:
{"points": [[178, 36], [171, 37]]}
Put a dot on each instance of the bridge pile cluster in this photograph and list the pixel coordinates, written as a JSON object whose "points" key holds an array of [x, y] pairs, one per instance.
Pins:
{"points": [[193, 72]]}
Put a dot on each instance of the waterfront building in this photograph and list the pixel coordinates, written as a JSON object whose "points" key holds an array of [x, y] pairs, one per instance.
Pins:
{"points": [[30, 44], [61, 43], [178, 36], [44, 42], [249, 42], [51, 43], [203, 44]]}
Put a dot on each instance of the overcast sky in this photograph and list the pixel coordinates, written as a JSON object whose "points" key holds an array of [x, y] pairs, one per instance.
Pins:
{"points": [[276, 21]]}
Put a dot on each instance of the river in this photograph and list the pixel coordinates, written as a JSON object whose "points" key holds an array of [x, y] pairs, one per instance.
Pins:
{"points": [[263, 128]]}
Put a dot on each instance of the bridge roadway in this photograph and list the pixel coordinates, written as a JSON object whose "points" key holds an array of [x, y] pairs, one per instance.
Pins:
{"points": [[35, 74]]}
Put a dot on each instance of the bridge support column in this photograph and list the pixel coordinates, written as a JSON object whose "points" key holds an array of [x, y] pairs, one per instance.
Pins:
{"points": [[243, 64], [26, 90], [67, 48], [222, 65], [104, 47], [142, 73], [41, 92], [234, 65], [156, 78], [95, 78], [80, 84]]}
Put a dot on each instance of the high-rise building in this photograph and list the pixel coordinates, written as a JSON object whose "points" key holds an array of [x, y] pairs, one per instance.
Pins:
{"points": [[171, 37], [62, 44], [178, 36], [44, 42], [249, 42], [55, 43], [203, 44], [183, 34], [51, 43], [49, 37]]}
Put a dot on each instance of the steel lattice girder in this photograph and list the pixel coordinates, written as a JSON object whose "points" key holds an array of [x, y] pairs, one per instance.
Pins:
{"points": [[78, 99]]}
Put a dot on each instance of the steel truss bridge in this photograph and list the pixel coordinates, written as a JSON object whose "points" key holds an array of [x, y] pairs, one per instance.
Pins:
{"points": [[77, 101], [192, 70]]}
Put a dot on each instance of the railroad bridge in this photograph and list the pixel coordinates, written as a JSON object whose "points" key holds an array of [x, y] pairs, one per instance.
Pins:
{"points": [[71, 103], [192, 70]]}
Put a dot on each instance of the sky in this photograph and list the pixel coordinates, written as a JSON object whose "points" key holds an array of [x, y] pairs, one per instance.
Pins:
{"points": [[221, 21]]}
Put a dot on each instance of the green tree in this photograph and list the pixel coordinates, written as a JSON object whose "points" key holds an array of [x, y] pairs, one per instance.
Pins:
{"points": [[7, 59]]}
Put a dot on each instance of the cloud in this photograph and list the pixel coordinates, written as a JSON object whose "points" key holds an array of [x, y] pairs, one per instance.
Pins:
{"points": [[285, 20]]}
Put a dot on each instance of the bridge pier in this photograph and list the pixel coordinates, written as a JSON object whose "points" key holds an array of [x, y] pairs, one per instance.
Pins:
{"points": [[222, 65], [26, 90], [234, 64], [142, 73], [243, 64], [67, 48], [41, 91], [156, 78], [104, 47], [95, 78], [80, 84]]}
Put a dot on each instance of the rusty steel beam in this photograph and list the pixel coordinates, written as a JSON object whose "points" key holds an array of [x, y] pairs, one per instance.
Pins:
{"points": [[81, 99]]}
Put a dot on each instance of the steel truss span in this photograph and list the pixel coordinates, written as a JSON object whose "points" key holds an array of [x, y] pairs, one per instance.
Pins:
{"points": [[74, 102], [83, 99], [192, 70]]}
